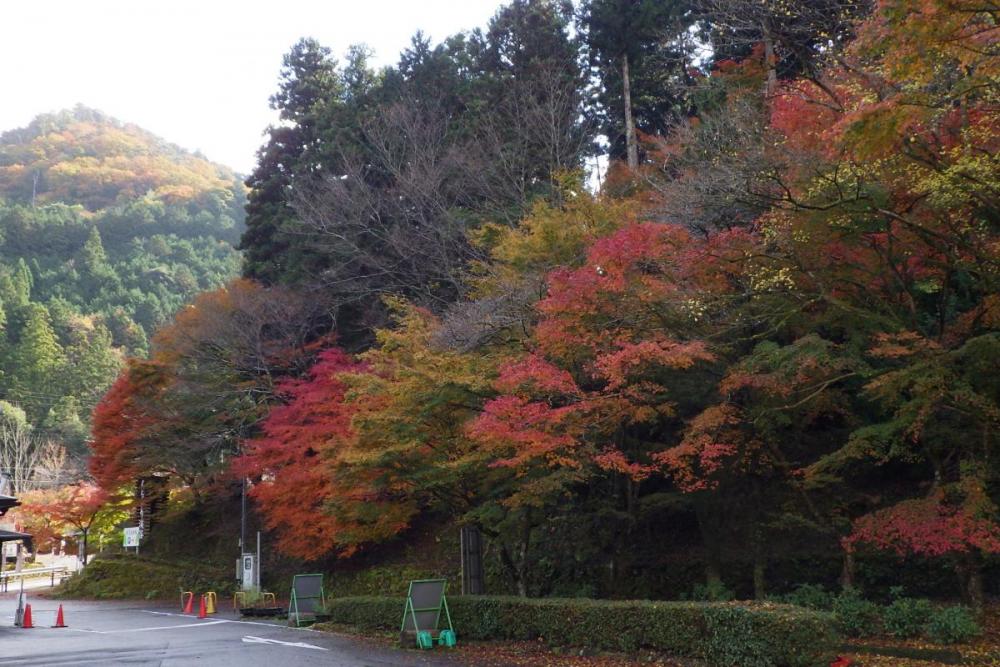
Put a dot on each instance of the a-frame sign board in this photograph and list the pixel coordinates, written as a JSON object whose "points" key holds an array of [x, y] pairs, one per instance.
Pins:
{"points": [[422, 621], [306, 599]]}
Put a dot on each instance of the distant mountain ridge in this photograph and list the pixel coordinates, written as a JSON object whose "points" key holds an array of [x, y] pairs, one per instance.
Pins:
{"points": [[83, 156]]}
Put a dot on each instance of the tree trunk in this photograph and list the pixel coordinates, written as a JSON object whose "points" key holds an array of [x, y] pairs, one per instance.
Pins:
{"points": [[631, 144], [522, 565], [970, 573], [713, 559], [517, 565], [975, 587], [759, 581], [769, 63], [83, 547], [708, 528], [847, 571], [759, 570]]}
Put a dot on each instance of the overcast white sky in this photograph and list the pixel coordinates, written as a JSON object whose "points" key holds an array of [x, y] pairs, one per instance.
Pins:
{"points": [[198, 74]]}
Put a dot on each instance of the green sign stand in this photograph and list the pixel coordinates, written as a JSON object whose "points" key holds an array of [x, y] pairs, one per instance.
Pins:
{"points": [[425, 601], [306, 598]]}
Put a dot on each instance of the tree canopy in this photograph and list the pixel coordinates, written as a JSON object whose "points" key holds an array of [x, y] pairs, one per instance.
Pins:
{"points": [[770, 337]]}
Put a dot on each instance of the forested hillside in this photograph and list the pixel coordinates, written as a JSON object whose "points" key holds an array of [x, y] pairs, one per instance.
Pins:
{"points": [[762, 354], [105, 232]]}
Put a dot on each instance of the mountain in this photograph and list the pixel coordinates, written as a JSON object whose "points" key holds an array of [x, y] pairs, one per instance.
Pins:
{"points": [[88, 158], [105, 231]]}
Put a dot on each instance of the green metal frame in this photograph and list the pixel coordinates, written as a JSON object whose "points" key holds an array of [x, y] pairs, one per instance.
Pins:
{"points": [[412, 611], [293, 600]]}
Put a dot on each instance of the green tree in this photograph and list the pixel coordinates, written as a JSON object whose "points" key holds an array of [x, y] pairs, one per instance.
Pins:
{"points": [[637, 50], [93, 364], [92, 255], [63, 422], [309, 80], [23, 282], [35, 363]]}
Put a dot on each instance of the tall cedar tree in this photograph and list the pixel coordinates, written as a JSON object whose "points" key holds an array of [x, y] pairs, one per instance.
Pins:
{"points": [[309, 80], [637, 49]]}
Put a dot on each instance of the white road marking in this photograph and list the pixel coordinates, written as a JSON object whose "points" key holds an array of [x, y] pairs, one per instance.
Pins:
{"points": [[250, 639], [167, 627], [161, 627], [232, 620]]}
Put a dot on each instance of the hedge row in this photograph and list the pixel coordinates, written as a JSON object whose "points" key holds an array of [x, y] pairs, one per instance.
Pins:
{"points": [[727, 635]]}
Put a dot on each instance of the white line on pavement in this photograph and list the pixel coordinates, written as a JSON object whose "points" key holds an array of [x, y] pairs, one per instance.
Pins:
{"points": [[161, 627], [250, 639], [167, 627], [230, 620]]}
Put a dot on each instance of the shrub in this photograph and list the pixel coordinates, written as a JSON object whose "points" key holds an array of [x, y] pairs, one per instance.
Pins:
{"points": [[380, 580], [714, 591], [810, 596], [952, 625], [723, 634], [732, 641], [906, 617], [856, 617]]}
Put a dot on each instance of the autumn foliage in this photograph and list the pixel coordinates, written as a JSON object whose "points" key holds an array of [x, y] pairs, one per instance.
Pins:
{"points": [[291, 458], [118, 423], [73, 509], [785, 335]]}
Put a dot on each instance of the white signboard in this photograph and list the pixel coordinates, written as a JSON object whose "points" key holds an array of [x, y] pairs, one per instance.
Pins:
{"points": [[132, 536]]}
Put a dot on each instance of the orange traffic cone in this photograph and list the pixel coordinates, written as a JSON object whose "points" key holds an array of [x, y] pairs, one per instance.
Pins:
{"points": [[59, 619], [201, 608], [189, 603], [26, 623]]}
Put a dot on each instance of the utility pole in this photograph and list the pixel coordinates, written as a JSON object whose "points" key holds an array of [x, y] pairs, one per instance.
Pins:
{"points": [[243, 518]]}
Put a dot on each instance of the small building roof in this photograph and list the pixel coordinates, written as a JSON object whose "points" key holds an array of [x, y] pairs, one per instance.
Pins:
{"points": [[14, 536], [7, 502]]}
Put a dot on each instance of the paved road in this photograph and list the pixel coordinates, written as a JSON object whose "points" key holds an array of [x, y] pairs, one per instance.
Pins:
{"points": [[112, 633]]}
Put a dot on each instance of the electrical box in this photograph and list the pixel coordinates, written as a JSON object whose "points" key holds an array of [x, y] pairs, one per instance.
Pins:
{"points": [[248, 572]]}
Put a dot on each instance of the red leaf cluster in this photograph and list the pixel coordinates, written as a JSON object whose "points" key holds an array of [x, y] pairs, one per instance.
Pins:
{"points": [[928, 527], [291, 458]]}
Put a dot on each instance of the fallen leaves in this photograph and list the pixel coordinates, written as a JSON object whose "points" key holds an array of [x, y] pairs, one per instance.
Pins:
{"points": [[984, 652]]}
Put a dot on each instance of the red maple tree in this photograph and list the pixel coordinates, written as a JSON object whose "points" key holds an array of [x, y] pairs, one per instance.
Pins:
{"points": [[290, 460]]}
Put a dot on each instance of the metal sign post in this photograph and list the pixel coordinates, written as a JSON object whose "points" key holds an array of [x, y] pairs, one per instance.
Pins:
{"points": [[306, 599], [425, 601]]}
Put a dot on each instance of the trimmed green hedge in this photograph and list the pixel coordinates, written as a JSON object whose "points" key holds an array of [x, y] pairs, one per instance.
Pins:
{"points": [[727, 635]]}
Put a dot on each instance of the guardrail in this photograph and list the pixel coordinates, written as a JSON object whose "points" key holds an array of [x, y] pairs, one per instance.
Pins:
{"points": [[6, 577]]}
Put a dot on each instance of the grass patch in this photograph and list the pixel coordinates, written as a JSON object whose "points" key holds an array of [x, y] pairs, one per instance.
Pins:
{"points": [[137, 577]]}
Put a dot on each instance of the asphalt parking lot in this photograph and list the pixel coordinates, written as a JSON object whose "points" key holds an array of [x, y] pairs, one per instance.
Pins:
{"points": [[113, 633]]}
